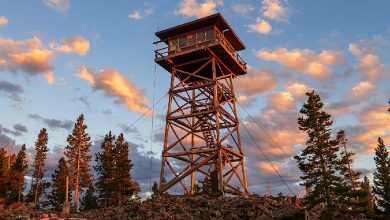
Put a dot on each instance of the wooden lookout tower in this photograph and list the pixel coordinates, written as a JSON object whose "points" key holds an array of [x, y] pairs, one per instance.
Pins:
{"points": [[202, 134]]}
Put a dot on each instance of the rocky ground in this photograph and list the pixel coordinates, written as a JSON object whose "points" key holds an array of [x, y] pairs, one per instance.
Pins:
{"points": [[178, 207]]}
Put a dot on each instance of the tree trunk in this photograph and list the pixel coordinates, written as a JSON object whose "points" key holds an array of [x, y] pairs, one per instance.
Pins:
{"points": [[76, 190], [19, 195]]}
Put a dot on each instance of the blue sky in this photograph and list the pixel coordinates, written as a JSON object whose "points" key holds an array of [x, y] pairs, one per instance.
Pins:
{"points": [[60, 58]]}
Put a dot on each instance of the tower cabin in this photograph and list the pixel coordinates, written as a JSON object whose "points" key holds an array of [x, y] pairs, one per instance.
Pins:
{"points": [[201, 38]]}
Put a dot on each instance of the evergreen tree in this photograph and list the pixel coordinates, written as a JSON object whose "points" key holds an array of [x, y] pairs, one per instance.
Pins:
{"points": [[38, 167], [155, 188], [382, 176], [367, 199], [318, 161], [57, 195], [17, 173], [5, 168], [348, 189], [78, 158], [89, 200], [105, 171], [349, 175], [125, 187]]}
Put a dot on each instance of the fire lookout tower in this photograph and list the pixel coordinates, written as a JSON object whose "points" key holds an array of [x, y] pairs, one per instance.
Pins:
{"points": [[202, 133]]}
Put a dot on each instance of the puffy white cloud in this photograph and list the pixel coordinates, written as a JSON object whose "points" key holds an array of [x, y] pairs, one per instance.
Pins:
{"points": [[115, 84], [59, 5], [3, 21], [30, 56], [261, 26], [275, 10], [305, 61], [191, 8], [76, 44]]}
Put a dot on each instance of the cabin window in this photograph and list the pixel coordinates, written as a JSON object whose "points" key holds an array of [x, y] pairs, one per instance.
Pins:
{"points": [[200, 37], [191, 40], [182, 42], [209, 34], [173, 45]]}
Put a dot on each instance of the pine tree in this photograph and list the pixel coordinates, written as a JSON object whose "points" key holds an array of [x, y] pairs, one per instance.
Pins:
{"points": [[17, 173], [349, 175], [57, 195], [125, 187], [367, 199], [318, 161], [5, 168], [348, 189], [382, 176], [155, 188], [89, 200], [105, 171], [38, 167], [78, 158]]}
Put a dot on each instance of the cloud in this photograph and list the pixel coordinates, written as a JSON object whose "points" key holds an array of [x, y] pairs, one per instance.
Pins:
{"points": [[362, 88], [243, 8], [298, 89], [6, 141], [59, 5], [373, 121], [261, 26], [11, 90], [191, 8], [370, 64], [256, 81], [9, 131], [20, 128], [86, 74], [76, 44], [3, 21], [30, 56], [53, 123], [115, 84], [275, 10], [136, 15], [305, 61]]}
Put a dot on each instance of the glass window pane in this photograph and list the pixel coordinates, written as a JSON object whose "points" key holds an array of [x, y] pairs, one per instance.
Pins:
{"points": [[191, 39], [182, 42], [200, 37], [209, 34]]}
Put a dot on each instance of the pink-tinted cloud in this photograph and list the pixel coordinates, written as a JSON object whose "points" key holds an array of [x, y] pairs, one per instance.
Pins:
{"points": [[261, 26], [3, 21], [374, 121], [29, 56], [115, 84], [192, 8], [256, 81], [305, 61], [59, 5], [275, 10], [76, 44], [369, 61]]}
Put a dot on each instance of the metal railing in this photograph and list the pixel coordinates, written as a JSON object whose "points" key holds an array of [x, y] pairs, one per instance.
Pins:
{"points": [[192, 45]]}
